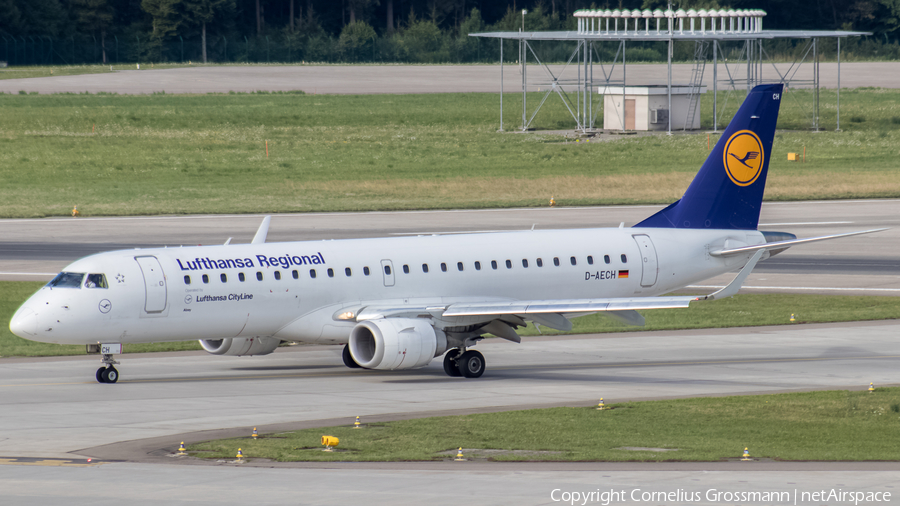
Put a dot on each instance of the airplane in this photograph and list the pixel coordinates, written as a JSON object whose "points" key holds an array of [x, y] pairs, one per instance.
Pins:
{"points": [[398, 303]]}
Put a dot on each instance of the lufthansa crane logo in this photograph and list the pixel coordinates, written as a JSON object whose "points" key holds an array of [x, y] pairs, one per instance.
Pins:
{"points": [[743, 157]]}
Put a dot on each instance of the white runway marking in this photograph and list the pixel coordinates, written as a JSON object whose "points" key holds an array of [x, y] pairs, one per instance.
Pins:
{"points": [[28, 273]]}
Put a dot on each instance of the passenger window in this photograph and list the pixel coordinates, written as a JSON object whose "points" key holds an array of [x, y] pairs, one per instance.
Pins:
{"points": [[366, 271], [312, 273], [443, 267], [277, 275], [590, 260], [425, 268], [330, 272], [205, 279], [494, 264], [477, 266], [509, 264], [95, 281], [524, 263], [624, 259], [459, 266], [572, 260], [540, 263], [295, 274], [556, 261], [259, 276], [223, 277], [241, 277], [387, 270], [606, 258], [347, 271], [187, 280], [405, 269]]}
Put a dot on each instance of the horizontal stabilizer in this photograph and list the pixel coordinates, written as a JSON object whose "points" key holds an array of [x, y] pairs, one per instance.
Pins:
{"points": [[786, 244]]}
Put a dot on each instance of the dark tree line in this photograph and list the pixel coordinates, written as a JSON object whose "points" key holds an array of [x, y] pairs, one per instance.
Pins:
{"points": [[346, 30]]}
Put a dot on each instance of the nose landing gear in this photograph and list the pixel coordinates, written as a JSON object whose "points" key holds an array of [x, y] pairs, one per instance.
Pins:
{"points": [[108, 374]]}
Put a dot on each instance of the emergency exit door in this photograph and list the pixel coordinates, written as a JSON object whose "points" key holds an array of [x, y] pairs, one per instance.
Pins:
{"points": [[649, 263]]}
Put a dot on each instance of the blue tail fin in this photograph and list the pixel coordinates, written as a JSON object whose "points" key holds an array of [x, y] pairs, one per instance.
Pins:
{"points": [[727, 192]]}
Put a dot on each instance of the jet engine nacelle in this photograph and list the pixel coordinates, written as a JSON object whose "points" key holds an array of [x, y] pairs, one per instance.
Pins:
{"points": [[239, 346], [396, 343]]}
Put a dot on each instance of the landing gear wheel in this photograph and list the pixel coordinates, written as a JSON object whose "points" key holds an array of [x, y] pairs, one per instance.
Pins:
{"points": [[450, 365], [100, 375], [348, 358], [110, 375], [471, 364]]}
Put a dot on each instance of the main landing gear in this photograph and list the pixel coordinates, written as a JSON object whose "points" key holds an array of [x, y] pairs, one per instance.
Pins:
{"points": [[108, 373], [468, 364]]}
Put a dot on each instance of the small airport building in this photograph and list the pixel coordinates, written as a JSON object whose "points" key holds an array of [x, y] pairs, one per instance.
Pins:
{"points": [[646, 108]]}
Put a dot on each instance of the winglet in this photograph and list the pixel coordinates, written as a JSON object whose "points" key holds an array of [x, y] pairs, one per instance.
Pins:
{"points": [[260, 236], [738, 280]]}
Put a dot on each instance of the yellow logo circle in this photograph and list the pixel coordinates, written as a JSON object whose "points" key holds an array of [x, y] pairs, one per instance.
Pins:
{"points": [[743, 157]]}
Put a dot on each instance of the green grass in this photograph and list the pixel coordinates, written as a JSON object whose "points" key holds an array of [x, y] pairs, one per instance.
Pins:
{"points": [[164, 154], [832, 425], [740, 311]]}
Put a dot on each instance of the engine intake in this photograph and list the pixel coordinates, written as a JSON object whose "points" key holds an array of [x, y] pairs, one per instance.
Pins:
{"points": [[396, 343], [240, 346]]}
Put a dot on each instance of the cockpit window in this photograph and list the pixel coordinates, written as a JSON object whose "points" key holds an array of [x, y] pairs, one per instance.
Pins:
{"points": [[67, 280], [95, 281]]}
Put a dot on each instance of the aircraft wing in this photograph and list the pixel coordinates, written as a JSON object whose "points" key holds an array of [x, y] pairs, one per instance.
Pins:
{"points": [[551, 312]]}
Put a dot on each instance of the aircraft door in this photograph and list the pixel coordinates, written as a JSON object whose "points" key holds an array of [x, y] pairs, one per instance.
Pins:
{"points": [[387, 268], [154, 284], [649, 264]]}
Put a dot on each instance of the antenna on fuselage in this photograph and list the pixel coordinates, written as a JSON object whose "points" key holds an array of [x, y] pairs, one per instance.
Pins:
{"points": [[260, 236]]}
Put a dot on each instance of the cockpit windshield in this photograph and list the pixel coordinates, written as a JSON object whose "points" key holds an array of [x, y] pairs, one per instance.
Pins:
{"points": [[95, 281], [67, 280]]}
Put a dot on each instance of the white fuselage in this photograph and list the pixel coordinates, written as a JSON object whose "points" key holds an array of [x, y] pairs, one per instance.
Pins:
{"points": [[279, 296]]}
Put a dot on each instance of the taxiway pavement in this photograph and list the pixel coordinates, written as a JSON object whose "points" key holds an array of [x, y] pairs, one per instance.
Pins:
{"points": [[53, 408], [399, 79]]}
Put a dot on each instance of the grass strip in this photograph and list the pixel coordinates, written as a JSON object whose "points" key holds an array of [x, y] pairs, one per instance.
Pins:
{"points": [[834, 425], [169, 154], [740, 311]]}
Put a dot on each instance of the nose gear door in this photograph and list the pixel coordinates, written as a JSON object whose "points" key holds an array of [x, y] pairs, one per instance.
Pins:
{"points": [[154, 284]]}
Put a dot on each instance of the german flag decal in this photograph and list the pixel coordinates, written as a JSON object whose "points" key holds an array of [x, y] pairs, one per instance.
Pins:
{"points": [[623, 274]]}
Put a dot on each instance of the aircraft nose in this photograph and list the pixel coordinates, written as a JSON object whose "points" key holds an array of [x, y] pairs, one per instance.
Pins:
{"points": [[24, 323]]}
